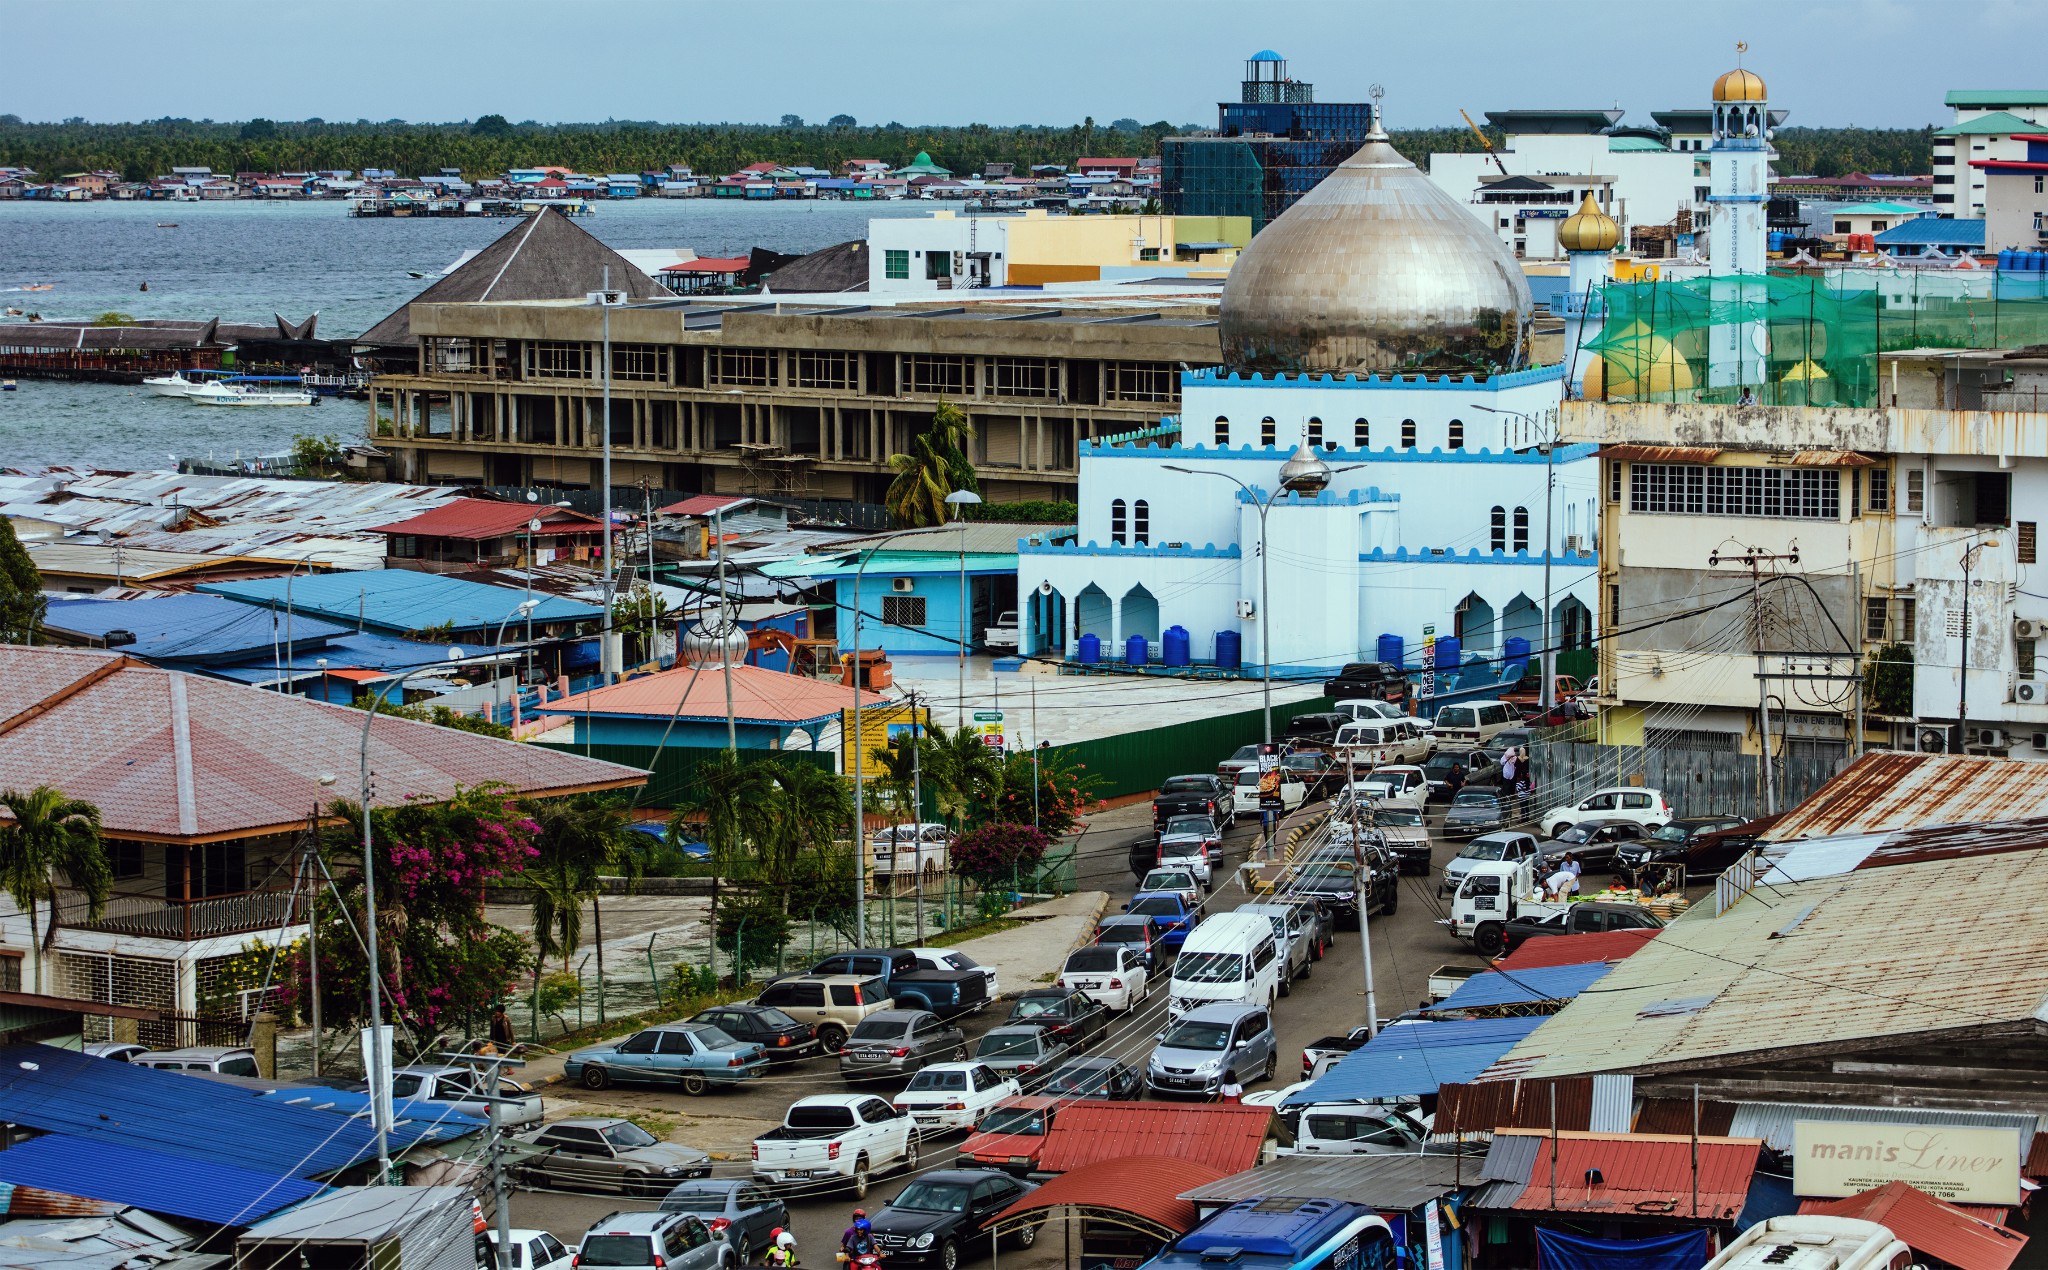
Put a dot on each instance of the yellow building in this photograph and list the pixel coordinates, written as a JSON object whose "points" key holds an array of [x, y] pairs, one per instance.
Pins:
{"points": [[1046, 248]]}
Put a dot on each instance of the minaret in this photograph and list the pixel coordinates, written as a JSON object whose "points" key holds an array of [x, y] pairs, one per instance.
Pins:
{"points": [[1587, 236], [1737, 241]]}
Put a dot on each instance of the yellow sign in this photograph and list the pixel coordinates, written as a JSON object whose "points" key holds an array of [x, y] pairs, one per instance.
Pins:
{"points": [[1965, 1166], [881, 727]]}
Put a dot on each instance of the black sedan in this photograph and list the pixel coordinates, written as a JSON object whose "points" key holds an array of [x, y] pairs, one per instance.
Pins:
{"points": [[1096, 1076], [943, 1218], [1594, 842], [1072, 1017], [784, 1039]]}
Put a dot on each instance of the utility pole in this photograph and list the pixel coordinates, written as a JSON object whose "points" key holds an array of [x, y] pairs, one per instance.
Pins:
{"points": [[916, 808], [728, 621], [1362, 880], [1962, 745], [1753, 559], [313, 931], [494, 1066], [608, 662]]}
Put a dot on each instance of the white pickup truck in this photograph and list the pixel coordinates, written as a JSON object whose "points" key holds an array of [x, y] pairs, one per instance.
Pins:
{"points": [[1004, 633], [829, 1140]]}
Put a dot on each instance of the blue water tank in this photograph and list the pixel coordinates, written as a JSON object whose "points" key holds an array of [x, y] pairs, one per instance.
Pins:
{"points": [[2005, 259], [1515, 649], [1135, 651], [1090, 651], [1447, 649], [1229, 650], [1175, 647], [1391, 650]]}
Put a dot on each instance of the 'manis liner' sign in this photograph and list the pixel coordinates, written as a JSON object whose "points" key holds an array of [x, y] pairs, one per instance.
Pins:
{"points": [[1966, 1166]]}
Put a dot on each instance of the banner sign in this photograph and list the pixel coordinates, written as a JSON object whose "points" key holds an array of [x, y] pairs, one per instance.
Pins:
{"points": [[1964, 1166]]}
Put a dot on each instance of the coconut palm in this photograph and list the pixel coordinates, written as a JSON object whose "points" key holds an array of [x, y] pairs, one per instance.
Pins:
{"points": [[50, 834], [917, 497], [580, 840], [738, 803]]}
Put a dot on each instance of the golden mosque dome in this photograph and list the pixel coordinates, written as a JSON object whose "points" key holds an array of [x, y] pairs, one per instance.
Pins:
{"points": [[1588, 229], [1739, 85]]}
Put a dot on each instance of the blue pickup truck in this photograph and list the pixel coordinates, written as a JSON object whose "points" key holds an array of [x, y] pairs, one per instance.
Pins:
{"points": [[946, 993]]}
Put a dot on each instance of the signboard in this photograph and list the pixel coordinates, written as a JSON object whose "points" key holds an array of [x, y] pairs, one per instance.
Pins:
{"points": [[1269, 788], [1964, 1166], [881, 728], [1433, 1235], [1428, 688], [988, 724]]}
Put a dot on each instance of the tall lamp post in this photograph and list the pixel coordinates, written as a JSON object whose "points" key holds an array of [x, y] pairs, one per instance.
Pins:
{"points": [[607, 660], [958, 500], [860, 818], [1548, 445]]}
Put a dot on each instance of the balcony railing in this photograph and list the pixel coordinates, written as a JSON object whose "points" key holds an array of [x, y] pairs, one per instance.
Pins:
{"points": [[158, 918]]}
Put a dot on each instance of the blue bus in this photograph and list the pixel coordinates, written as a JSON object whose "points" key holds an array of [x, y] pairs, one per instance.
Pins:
{"points": [[1282, 1233]]}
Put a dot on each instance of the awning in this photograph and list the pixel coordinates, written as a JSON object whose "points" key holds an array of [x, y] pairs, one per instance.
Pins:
{"points": [[1524, 987], [1661, 453], [1145, 1188], [1391, 1183], [1831, 458], [1412, 1059]]}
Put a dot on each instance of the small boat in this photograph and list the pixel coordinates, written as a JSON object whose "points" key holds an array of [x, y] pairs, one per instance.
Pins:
{"points": [[167, 224], [219, 394], [6, 385], [179, 383]]}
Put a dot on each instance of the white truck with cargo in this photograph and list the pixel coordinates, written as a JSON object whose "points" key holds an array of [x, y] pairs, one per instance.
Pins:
{"points": [[1500, 903], [830, 1141]]}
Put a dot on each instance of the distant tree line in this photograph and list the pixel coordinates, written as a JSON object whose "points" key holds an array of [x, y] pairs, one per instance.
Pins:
{"points": [[492, 144]]}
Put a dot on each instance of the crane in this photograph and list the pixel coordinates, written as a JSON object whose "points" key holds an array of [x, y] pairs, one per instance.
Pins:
{"points": [[1485, 144]]}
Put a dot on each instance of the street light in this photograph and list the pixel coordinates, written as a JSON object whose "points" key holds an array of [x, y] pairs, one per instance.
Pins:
{"points": [[374, 1054], [958, 500], [860, 819], [1548, 664]]}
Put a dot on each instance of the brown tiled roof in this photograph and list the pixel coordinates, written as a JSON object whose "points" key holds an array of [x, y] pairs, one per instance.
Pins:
{"points": [[169, 756]]}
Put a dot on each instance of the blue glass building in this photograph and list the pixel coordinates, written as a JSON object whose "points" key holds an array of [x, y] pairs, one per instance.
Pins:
{"points": [[1271, 146]]}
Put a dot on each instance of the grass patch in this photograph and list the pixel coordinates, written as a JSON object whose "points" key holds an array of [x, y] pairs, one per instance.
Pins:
{"points": [[659, 1126]]}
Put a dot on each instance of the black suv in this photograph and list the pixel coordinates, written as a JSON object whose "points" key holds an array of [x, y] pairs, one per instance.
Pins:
{"points": [[1364, 679], [1705, 844], [1074, 1018], [1315, 727], [785, 1039]]}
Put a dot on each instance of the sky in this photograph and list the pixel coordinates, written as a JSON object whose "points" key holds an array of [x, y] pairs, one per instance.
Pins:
{"points": [[1876, 63]]}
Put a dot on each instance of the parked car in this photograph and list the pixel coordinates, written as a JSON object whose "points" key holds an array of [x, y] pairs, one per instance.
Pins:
{"points": [[1011, 1135], [532, 1250], [1508, 846], [1225, 1042], [607, 1154], [1703, 845], [653, 1241], [227, 1060], [1316, 920], [1113, 974], [461, 1090], [946, 993], [1320, 727], [1376, 742], [1588, 917], [742, 1212], [1359, 1129], [950, 959], [1174, 915], [1177, 881], [1139, 934], [1291, 937], [1028, 1054], [1473, 723], [1594, 842], [691, 1057], [1625, 802], [119, 1051], [836, 1139], [1074, 1017], [1367, 708], [1247, 798], [948, 1096], [1203, 830], [1318, 771], [781, 1038], [1323, 1048], [1200, 795], [1335, 886], [1437, 769], [834, 1004], [1242, 757], [944, 1217], [897, 1041], [1365, 679], [1405, 834], [1188, 852], [1478, 809], [1401, 785], [1096, 1076]]}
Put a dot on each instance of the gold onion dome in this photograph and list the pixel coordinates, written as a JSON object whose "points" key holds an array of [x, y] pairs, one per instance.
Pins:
{"points": [[1739, 85], [1588, 229], [1375, 270]]}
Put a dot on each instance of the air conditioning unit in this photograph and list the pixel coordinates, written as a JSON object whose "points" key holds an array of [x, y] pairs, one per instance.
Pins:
{"points": [[2026, 628], [1247, 609], [1575, 544], [902, 584], [1992, 739], [2027, 692]]}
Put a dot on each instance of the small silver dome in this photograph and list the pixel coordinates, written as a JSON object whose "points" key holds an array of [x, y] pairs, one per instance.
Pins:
{"points": [[1376, 270], [1304, 473], [716, 639]]}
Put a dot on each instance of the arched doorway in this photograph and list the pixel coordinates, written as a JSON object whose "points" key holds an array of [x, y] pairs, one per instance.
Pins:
{"points": [[1474, 619], [1141, 614], [1574, 623], [1092, 615], [1521, 618]]}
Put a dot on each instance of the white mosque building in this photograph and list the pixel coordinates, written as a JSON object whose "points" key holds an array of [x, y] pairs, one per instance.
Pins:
{"points": [[1377, 437]]}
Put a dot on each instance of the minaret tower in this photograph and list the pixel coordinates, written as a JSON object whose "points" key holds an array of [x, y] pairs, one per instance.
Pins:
{"points": [[1737, 240], [1587, 236]]}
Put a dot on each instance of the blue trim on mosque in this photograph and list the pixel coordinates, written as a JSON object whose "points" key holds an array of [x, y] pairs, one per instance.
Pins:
{"points": [[1271, 454], [1327, 498], [1219, 377], [1207, 551], [1422, 555]]}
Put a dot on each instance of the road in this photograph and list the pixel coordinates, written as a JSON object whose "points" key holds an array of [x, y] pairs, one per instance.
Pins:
{"points": [[1405, 948]]}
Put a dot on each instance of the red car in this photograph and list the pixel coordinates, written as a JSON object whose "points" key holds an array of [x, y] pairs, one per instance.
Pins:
{"points": [[1011, 1134]]}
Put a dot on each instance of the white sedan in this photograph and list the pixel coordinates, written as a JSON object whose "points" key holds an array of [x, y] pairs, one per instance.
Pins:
{"points": [[1113, 974], [1177, 879], [953, 1095]]}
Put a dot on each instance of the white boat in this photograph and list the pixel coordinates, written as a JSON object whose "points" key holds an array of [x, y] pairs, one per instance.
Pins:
{"points": [[242, 395], [174, 385]]}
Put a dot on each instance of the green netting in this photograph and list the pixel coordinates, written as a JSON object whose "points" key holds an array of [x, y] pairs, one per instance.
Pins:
{"points": [[1801, 339]]}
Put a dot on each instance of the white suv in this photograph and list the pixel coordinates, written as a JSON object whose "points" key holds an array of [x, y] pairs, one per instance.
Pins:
{"points": [[1622, 802], [1398, 786]]}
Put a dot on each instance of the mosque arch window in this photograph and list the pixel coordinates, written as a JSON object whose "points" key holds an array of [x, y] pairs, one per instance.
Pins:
{"points": [[1407, 434], [1269, 432], [1361, 435], [1521, 529], [1457, 434], [1141, 522], [1315, 432], [1499, 539], [1116, 522], [1222, 429]]}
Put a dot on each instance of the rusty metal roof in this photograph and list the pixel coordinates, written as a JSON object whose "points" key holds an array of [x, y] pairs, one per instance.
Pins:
{"points": [[1640, 1175], [1930, 1226], [1675, 1115], [1515, 1104], [1573, 950], [1908, 791], [1145, 1186], [1660, 453], [1226, 1137]]}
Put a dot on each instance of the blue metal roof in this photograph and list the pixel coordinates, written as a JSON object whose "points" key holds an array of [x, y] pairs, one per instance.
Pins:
{"points": [[437, 1122], [62, 1091], [175, 1186], [368, 651], [188, 628], [400, 600], [1934, 231], [1267, 55], [1411, 1059], [1546, 983]]}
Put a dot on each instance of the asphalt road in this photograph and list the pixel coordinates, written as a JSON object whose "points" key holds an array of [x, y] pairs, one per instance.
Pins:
{"points": [[1405, 948]]}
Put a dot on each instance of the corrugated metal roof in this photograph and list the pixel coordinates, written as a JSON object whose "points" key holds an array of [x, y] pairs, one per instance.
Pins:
{"points": [[1640, 1176], [1660, 453], [703, 505], [1880, 953], [401, 601], [436, 1121], [1574, 950], [758, 696], [1226, 1137], [1930, 1226], [1415, 1058], [1773, 1121], [1486, 1106], [982, 537], [1391, 1183], [1523, 987], [355, 1214], [1145, 1186], [1505, 1174], [186, 627], [1675, 1115], [176, 1185], [1905, 791], [1614, 1104], [486, 518], [133, 564]]}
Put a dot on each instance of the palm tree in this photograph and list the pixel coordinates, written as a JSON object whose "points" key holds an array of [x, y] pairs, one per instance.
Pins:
{"points": [[917, 497], [49, 834], [580, 839], [739, 805], [962, 771], [814, 808]]}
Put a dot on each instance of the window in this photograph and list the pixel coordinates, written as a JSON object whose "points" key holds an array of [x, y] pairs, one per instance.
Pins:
{"points": [[1614, 482], [1873, 617], [903, 610], [1499, 538], [1521, 529], [1457, 434], [553, 359], [1694, 489], [1315, 432], [1916, 490], [1407, 434], [1116, 522], [1909, 612], [749, 367], [640, 363], [2023, 657], [1141, 381], [1880, 489], [834, 371], [1613, 613], [1141, 522], [935, 373], [124, 858], [937, 265], [1855, 493], [1269, 432], [895, 264], [1222, 430], [2038, 185], [2024, 541], [1022, 377], [1361, 435]]}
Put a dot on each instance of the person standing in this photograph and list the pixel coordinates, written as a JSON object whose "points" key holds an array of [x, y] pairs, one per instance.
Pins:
{"points": [[501, 1029], [1230, 1091]]}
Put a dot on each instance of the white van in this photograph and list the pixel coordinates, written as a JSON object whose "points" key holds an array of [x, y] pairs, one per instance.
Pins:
{"points": [[1229, 957], [1474, 723], [1374, 743]]}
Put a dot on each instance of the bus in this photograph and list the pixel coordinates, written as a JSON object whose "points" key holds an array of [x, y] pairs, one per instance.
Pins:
{"points": [[1285, 1233]]}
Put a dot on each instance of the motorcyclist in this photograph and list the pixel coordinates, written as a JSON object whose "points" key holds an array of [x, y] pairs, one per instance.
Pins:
{"points": [[781, 1249], [859, 1239]]}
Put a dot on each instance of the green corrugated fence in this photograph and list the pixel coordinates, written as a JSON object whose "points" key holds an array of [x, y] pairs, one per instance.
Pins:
{"points": [[673, 768], [1134, 762]]}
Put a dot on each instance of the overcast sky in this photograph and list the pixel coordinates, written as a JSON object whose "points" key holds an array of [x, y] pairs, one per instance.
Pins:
{"points": [[1883, 63]]}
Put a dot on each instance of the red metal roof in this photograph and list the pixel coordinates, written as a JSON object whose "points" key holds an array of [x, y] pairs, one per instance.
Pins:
{"points": [[1224, 1136], [1642, 1175], [1145, 1186], [709, 264], [1928, 1225], [703, 505], [481, 518], [1574, 950]]}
